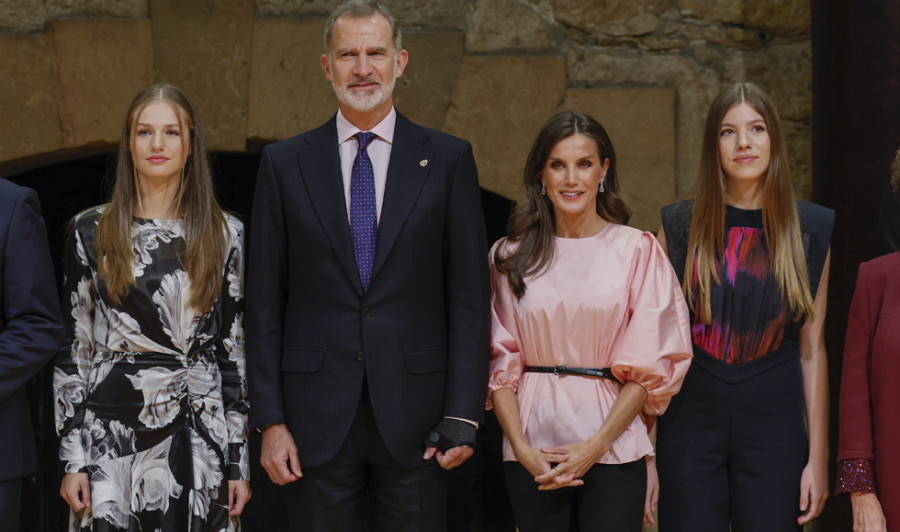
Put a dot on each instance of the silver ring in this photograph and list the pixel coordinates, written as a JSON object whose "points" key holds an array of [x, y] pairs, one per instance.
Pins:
{"points": [[557, 470]]}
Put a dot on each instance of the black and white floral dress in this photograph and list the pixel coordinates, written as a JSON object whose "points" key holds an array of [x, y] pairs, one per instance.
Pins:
{"points": [[151, 398]]}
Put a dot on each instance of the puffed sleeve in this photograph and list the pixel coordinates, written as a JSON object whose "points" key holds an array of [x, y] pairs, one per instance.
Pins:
{"points": [[230, 357], [507, 359], [655, 347], [73, 362]]}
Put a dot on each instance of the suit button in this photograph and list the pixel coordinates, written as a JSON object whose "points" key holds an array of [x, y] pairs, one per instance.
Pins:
{"points": [[367, 312], [360, 356]]}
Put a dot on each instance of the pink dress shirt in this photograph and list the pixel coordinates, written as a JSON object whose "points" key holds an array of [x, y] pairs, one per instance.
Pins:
{"points": [[610, 300]]}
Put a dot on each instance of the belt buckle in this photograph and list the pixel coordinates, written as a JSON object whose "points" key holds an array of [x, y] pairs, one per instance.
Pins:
{"points": [[560, 371]]}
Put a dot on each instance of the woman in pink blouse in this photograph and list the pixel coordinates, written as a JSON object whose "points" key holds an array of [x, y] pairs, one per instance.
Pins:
{"points": [[590, 330]]}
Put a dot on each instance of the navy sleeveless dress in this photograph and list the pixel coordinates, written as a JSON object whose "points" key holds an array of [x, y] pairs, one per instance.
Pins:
{"points": [[732, 445]]}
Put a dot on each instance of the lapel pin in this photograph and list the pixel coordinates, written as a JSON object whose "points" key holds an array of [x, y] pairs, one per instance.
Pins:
{"points": [[423, 163]]}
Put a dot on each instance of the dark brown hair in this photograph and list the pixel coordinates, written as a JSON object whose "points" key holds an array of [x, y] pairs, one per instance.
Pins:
{"points": [[780, 220], [533, 224], [204, 223]]}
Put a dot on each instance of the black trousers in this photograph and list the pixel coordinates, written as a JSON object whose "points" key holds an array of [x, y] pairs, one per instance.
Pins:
{"points": [[611, 499], [730, 456], [364, 489], [10, 501]]}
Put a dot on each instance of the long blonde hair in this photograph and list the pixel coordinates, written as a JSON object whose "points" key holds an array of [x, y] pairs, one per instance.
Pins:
{"points": [[204, 223], [780, 220]]}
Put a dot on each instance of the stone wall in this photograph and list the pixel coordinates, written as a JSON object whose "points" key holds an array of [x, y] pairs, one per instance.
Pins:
{"points": [[491, 71]]}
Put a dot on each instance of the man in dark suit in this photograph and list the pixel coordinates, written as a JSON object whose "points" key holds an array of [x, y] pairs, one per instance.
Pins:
{"points": [[368, 300], [30, 333]]}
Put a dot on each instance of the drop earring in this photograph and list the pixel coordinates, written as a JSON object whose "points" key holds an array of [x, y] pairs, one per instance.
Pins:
{"points": [[601, 188], [543, 189]]}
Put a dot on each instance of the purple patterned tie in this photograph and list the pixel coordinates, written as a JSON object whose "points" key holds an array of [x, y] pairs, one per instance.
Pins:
{"points": [[363, 216]]}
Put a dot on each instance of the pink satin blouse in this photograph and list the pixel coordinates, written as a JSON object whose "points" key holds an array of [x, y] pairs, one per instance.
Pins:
{"points": [[610, 300]]}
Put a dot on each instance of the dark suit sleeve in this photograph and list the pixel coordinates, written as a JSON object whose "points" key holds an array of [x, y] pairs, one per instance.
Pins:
{"points": [[855, 423], [266, 289], [32, 328], [467, 294]]}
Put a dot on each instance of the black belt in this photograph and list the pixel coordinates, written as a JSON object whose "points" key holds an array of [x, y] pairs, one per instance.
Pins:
{"points": [[603, 373]]}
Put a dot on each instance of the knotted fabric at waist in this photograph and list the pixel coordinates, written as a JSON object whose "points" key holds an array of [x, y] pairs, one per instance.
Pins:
{"points": [[157, 388]]}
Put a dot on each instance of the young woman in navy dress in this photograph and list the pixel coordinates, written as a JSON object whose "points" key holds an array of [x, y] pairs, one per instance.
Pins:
{"points": [[744, 446]]}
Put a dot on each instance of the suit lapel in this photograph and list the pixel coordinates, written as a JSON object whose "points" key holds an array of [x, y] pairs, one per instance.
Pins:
{"points": [[320, 167], [405, 178]]}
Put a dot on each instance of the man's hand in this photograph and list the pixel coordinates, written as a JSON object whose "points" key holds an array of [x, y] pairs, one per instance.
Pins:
{"points": [[451, 458], [278, 455], [451, 442], [451, 432], [76, 490]]}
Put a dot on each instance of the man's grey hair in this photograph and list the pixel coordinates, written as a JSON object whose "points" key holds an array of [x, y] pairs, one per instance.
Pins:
{"points": [[360, 9]]}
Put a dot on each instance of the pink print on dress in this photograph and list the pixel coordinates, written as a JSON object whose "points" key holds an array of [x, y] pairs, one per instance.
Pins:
{"points": [[746, 251]]}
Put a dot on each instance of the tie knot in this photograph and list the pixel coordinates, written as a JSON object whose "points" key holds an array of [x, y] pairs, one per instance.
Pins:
{"points": [[364, 138]]}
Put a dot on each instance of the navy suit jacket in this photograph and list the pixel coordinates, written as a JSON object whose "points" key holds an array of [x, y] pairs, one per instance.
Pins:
{"points": [[30, 325], [419, 335]]}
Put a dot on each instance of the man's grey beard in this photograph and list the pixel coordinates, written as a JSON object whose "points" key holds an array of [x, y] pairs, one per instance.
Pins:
{"points": [[364, 101]]}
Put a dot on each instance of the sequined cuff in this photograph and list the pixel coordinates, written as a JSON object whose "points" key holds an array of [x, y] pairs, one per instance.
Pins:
{"points": [[855, 476]]}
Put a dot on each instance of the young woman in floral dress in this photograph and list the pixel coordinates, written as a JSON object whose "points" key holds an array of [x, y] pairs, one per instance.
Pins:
{"points": [[150, 385]]}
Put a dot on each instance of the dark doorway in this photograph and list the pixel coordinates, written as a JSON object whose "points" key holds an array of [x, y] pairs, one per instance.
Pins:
{"points": [[856, 131]]}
